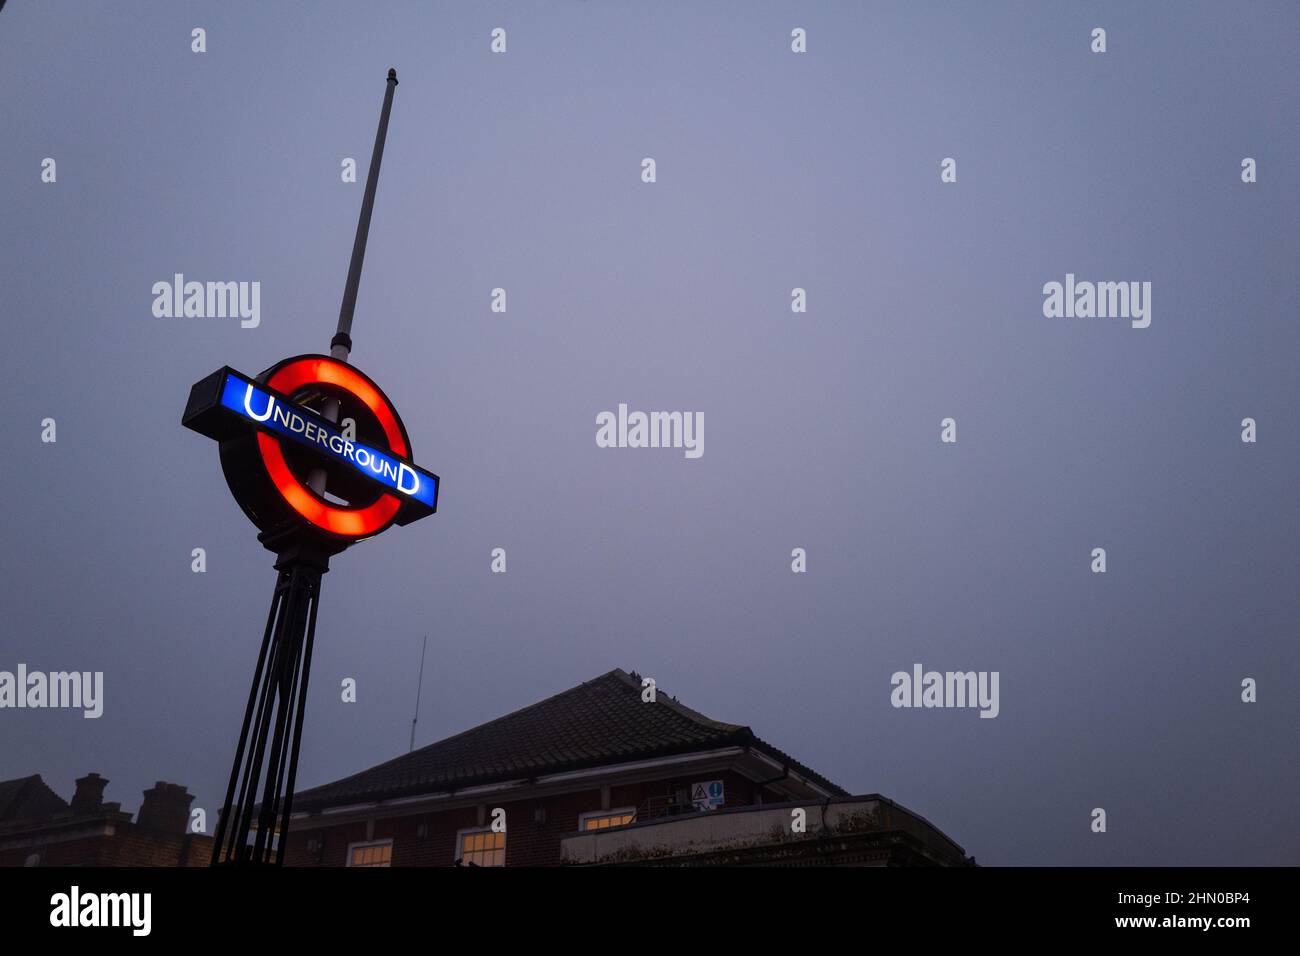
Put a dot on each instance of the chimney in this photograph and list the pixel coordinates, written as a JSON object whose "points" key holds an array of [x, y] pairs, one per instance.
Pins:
{"points": [[89, 797], [166, 807]]}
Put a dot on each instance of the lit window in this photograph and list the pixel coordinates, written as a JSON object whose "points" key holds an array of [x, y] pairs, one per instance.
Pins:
{"points": [[481, 848], [604, 819], [371, 854]]}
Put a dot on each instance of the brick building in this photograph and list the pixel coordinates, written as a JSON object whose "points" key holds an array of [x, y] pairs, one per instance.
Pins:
{"points": [[40, 828], [595, 775]]}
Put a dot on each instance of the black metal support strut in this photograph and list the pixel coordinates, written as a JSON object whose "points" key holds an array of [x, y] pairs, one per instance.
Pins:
{"points": [[267, 756]]}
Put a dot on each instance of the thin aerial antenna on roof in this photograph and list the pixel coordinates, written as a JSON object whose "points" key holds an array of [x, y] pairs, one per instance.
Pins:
{"points": [[418, 687]]}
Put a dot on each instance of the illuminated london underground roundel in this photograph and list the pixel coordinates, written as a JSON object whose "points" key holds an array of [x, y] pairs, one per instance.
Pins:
{"points": [[274, 436], [318, 458]]}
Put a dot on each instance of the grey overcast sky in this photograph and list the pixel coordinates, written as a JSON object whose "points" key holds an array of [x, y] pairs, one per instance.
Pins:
{"points": [[775, 171]]}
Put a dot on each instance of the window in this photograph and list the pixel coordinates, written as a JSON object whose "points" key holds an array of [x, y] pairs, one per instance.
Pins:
{"points": [[274, 842], [378, 853], [604, 819], [481, 847]]}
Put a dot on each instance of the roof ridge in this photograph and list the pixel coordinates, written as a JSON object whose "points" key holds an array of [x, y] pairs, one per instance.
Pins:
{"points": [[616, 672], [674, 704], [742, 730], [13, 791], [30, 776]]}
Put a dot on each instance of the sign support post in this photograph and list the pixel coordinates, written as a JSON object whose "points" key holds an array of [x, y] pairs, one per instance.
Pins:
{"points": [[283, 668]]}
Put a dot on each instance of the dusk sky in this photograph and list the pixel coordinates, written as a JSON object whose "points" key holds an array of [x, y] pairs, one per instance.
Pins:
{"points": [[774, 171]]}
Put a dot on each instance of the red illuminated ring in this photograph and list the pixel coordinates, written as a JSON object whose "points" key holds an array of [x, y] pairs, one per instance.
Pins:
{"points": [[348, 522]]}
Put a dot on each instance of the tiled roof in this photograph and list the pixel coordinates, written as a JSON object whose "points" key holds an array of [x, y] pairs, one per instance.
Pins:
{"points": [[598, 723], [9, 791], [27, 796]]}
